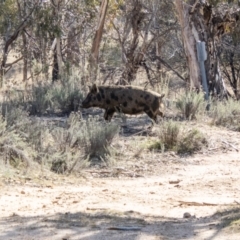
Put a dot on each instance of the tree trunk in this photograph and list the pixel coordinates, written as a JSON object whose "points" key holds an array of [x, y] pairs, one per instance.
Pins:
{"points": [[200, 23], [93, 61], [25, 58], [189, 43], [55, 69], [59, 57]]}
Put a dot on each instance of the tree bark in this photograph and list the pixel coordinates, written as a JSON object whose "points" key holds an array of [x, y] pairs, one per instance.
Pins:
{"points": [[189, 43], [200, 23], [93, 61], [9, 42], [133, 54]]}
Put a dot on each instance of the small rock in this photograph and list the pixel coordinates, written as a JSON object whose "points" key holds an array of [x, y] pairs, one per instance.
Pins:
{"points": [[174, 181], [187, 215]]}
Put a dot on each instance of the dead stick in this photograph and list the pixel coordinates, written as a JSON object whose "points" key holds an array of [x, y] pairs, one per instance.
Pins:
{"points": [[227, 143]]}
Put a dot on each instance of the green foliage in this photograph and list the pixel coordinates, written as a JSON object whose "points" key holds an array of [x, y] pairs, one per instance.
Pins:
{"points": [[227, 114], [32, 130], [81, 140], [174, 137], [65, 97], [40, 100], [8, 15], [93, 136], [47, 22], [112, 54], [97, 137], [191, 104], [14, 148], [191, 142], [62, 97], [168, 137]]}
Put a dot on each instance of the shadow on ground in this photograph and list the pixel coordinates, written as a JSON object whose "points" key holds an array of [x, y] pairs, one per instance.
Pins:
{"points": [[104, 224]]}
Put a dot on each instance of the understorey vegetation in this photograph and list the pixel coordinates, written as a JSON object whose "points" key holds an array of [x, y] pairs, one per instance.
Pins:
{"points": [[67, 143], [51, 54]]}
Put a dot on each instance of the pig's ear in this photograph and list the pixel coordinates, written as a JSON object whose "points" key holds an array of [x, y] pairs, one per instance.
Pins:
{"points": [[162, 96], [94, 88]]}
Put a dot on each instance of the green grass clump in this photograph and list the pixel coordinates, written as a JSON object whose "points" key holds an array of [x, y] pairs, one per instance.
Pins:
{"points": [[14, 148], [65, 97], [191, 142], [175, 138], [81, 142], [168, 137], [97, 137], [191, 104], [48, 98], [227, 114]]}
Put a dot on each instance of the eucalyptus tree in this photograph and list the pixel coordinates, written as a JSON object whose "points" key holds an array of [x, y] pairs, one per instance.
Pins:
{"points": [[206, 21], [146, 33], [12, 26]]}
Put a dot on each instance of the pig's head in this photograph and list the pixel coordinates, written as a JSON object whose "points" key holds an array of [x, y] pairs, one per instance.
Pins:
{"points": [[91, 99]]}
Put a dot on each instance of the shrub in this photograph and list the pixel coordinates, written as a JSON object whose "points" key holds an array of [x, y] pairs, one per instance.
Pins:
{"points": [[65, 97], [39, 100], [227, 114], [60, 97], [191, 142], [97, 137], [191, 104], [14, 148], [30, 129], [168, 137], [174, 137], [81, 140]]}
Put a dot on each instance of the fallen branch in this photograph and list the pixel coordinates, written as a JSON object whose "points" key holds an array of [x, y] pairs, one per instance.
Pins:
{"points": [[98, 172], [125, 228], [202, 203], [237, 202], [117, 170], [96, 209], [227, 143]]}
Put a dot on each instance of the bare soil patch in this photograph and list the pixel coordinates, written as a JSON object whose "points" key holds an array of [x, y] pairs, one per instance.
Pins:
{"points": [[145, 195]]}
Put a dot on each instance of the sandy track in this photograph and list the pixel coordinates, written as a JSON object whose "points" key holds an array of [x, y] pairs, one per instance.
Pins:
{"points": [[153, 206]]}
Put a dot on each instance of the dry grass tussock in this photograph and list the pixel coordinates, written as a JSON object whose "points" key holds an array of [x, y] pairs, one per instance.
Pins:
{"points": [[174, 137]]}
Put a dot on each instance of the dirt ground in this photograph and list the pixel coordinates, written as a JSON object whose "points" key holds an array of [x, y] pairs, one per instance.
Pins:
{"points": [[144, 196]]}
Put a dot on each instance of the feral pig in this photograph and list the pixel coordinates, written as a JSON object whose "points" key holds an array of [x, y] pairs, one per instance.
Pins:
{"points": [[125, 99]]}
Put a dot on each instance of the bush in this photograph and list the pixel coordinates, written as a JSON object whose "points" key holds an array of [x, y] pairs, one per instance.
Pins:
{"points": [[14, 148], [227, 114], [174, 137], [65, 97], [39, 100], [97, 137], [191, 142], [191, 104], [168, 137], [81, 140], [30, 129], [60, 97]]}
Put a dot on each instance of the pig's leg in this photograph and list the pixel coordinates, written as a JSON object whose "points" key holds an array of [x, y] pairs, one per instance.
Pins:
{"points": [[109, 114], [151, 115], [160, 113]]}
